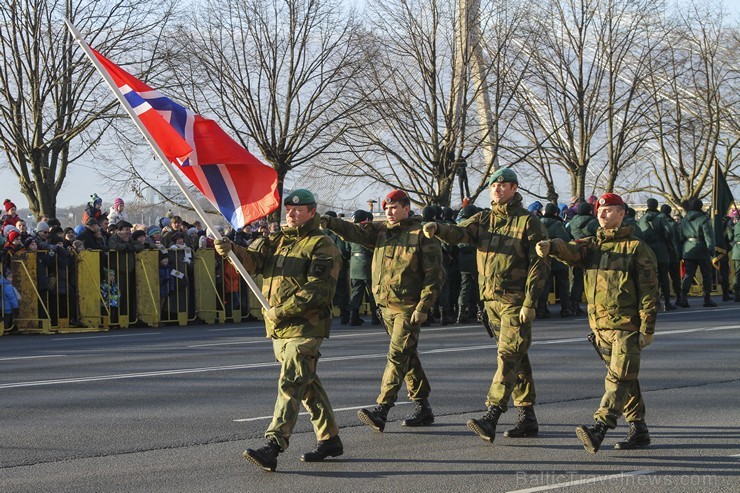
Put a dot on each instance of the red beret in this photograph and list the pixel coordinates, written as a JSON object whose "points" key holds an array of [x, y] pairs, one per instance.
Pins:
{"points": [[394, 196], [610, 199]]}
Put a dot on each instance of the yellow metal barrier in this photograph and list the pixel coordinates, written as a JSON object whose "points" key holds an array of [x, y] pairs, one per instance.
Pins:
{"points": [[148, 300], [34, 314], [209, 304]]}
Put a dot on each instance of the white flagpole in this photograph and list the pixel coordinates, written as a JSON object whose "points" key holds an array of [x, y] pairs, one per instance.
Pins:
{"points": [[168, 166]]}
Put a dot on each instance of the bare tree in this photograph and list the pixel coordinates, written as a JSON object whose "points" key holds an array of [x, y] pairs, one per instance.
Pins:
{"points": [[419, 129], [274, 71], [581, 97], [51, 110], [694, 103]]}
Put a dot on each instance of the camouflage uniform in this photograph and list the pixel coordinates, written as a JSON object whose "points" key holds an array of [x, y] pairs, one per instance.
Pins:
{"points": [[406, 276], [510, 275], [622, 294], [300, 267], [735, 241]]}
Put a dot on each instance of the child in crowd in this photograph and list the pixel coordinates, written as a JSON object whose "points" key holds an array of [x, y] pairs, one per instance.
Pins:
{"points": [[116, 212], [166, 286], [94, 208], [178, 243], [10, 303], [10, 217], [109, 289]]}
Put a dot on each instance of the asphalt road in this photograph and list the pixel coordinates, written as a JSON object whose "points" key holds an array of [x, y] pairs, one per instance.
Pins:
{"points": [[172, 408]]}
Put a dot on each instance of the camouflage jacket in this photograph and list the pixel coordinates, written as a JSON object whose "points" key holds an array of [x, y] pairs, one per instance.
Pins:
{"points": [[407, 266], [508, 265], [620, 278], [697, 238], [299, 267]]}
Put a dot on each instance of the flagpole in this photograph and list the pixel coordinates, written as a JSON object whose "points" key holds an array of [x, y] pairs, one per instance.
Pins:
{"points": [[168, 166]]}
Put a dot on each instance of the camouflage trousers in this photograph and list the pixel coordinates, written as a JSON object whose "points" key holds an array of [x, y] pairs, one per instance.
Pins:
{"points": [[299, 383], [513, 377], [403, 362], [622, 394]]}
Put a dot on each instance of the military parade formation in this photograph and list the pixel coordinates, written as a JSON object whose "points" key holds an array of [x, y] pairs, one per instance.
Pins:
{"points": [[508, 258]]}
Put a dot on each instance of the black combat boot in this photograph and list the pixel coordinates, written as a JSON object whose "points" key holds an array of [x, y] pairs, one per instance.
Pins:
{"points": [[526, 425], [485, 427], [354, 318], [592, 436], [637, 436], [422, 415], [324, 448], [444, 316], [265, 457], [344, 316], [376, 417], [683, 300], [669, 306], [727, 296], [576, 309], [708, 302], [565, 312]]}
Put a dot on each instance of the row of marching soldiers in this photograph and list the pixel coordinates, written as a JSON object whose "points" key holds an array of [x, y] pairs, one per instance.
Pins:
{"points": [[683, 245]]}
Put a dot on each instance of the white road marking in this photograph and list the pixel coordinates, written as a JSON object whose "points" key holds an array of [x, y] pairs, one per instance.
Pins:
{"points": [[107, 336], [265, 340], [578, 482], [34, 357], [354, 408], [124, 376], [698, 329]]}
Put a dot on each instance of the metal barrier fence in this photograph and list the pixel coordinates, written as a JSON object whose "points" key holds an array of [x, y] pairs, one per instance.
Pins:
{"points": [[60, 292], [98, 291]]}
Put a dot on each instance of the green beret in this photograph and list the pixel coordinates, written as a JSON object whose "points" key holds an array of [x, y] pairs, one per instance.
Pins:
{"points": [[503, 175], [299, 197]]}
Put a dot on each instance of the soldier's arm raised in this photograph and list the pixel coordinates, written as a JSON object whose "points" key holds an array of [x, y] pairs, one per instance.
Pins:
{"points": [[465, 232], [431, 262], [362, 234], [319, 287], [646, 267], [572, 253], [539, 267]]}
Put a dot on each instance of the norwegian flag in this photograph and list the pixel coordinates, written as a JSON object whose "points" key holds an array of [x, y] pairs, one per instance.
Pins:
{"points": [[241, 187]]}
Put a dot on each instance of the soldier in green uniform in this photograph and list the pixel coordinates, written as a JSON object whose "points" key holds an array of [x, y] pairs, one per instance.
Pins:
{"points": [[657, 233], [630, 220], [622, 293], [510, 278], [583, 225], [558, 270], [734, 237], [341, 295], [674, 252], [360, 274], [407, 277], [697, 240], [300, 266], [467, 303]]}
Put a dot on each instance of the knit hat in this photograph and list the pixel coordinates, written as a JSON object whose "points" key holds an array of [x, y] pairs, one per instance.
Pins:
{"points": [[12, 236], [80, 228], [551, 209], [117, 202], [42, 226], [96, 199], [535, 206], [154, 231], [9, 205], [8, 228], [584, 208], [193, 231], [91, 222], [138, 234], [30, 240]]}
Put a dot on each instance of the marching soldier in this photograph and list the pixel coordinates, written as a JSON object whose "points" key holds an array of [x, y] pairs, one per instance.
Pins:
{"points": [[583, 225], [698, 247], [300, 266], [657, 233], [406, 279], [511, 278], [622, 293]]}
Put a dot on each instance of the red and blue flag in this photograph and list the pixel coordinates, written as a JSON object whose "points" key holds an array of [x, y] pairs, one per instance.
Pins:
{"points": [[241, 187]]}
